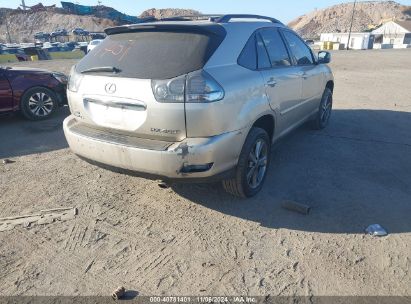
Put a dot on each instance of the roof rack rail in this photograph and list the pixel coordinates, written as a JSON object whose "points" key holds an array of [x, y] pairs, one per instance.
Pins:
{"points": [[148, 19], [210, 17], [192, 17], [227, 18], [217, 18]]}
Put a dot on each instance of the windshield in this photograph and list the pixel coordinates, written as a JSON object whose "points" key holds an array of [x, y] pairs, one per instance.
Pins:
{"points": [[153, 54]]}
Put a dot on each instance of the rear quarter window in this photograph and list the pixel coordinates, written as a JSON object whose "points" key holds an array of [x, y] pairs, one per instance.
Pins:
{"points": [[248, 57], [153, 54], [254, 55]]}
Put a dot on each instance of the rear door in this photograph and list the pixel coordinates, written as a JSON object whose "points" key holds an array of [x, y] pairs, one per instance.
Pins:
{"points": [[146, 59], [283, 80], [312, 88], [6, 95]]}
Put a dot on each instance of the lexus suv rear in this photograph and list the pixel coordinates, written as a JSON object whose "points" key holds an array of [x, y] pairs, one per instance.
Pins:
{"points": [[200, 100]]}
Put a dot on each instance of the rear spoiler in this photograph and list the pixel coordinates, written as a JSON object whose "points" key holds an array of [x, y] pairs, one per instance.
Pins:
{"points": [[214, 19], [206, 28]]}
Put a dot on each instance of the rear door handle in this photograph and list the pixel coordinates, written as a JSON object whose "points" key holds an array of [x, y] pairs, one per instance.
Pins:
{"points": [[271, 83], [305, 75]]}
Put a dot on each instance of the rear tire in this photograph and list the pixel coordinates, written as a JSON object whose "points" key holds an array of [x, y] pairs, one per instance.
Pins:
{"points": [[322, 118], [38, 103], [252, 166]]}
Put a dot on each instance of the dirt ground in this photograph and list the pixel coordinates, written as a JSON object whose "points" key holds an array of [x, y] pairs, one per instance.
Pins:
{"points": [[197, 240]]}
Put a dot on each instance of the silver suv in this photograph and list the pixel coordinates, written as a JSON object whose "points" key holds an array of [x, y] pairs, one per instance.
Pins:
{"points": [[200, 100]]}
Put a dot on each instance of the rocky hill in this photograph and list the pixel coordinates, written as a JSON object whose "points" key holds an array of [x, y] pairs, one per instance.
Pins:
{"points": [[369, 14], [168, 12], [24, 24]]}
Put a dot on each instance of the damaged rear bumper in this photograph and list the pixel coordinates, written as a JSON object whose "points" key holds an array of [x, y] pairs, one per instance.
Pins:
{"points": [[193, 158]]}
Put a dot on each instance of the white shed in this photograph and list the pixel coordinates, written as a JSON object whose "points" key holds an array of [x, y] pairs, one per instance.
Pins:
{"points": [[358, 41], [394, 32]]}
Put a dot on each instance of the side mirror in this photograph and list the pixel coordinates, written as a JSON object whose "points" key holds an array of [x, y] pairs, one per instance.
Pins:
{"points": [[324, 57]]}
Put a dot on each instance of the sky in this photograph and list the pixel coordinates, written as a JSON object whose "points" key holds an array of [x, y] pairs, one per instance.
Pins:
{"points": [[283, 10]]}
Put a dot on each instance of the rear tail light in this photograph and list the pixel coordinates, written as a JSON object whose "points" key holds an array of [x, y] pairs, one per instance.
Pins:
{"points": [[195, 87], [201, 87], [74, 80], [171, 90]]}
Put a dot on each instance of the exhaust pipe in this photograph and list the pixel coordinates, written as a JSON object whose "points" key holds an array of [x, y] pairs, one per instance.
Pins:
{"points": [[163, 185]]}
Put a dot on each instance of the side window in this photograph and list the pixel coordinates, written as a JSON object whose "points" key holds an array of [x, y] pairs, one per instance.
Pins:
{"points": [[299, 49], [248, 57], [275, 48], [263, 59]]}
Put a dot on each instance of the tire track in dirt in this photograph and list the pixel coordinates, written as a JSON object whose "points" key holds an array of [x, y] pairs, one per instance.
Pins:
{"points": [[156, 266], [68, 261]]}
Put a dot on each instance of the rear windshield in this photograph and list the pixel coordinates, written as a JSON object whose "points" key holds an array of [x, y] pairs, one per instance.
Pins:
{"points": [[155, 54]]}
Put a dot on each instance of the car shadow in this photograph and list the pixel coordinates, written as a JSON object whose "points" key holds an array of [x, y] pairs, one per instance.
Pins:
{"points": [[19, 137], [355, 173]]}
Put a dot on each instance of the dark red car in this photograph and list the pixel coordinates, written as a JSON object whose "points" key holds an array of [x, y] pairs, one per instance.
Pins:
{"points": [[35, 93]]}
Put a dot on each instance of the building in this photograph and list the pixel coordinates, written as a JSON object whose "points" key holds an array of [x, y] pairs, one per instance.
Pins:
{"points": [[396, 33], [358, 41]]}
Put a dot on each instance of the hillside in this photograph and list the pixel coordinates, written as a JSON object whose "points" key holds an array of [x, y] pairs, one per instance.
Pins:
{"points": [[24, 24], [168, 12], [337, 18]]}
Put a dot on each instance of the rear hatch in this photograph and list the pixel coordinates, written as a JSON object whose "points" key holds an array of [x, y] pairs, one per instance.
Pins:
{"points": [[117, 77]]}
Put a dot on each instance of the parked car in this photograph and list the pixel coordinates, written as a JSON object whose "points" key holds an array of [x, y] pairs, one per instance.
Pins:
{"points": [[35, 93], [12, 51], [199, 100], [42, 36], [39, 35], [37, 51], [95, 36], [79, 32], [71, 45], [59, 32], [17, 51], [83, 46], [51, 49], [93, 44]]}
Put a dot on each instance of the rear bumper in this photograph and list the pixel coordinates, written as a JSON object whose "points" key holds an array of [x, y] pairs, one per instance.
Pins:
{"points": [[153, 160]]}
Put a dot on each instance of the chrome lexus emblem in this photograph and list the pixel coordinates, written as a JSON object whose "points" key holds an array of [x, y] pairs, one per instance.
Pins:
{"points": [[111, 88]]}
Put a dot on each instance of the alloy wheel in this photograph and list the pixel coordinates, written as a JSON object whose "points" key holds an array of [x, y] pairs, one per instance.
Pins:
{"points": [[257, 164], [41, 104], [326, 110]]}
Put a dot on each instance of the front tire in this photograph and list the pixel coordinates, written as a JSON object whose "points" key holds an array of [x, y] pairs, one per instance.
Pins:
{"points": [[252, 165], [324, 112], [38, 103]]}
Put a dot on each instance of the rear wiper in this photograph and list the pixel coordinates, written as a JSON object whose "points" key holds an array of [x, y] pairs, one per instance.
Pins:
{"points": [[102, 70]]}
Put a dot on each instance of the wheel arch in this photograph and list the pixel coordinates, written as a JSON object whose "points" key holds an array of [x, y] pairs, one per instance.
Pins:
{"points": [[267, 123], [330, 85]]}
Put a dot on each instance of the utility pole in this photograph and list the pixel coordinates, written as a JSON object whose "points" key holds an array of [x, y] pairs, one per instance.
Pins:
{"points": [[352, 21], [23, 5]]}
